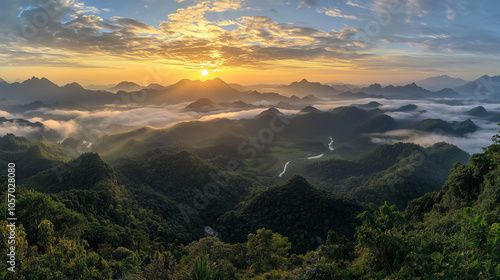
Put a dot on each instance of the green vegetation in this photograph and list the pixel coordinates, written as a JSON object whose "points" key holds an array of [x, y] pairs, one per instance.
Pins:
{"points": [[126, 220], [31, 156], [440, 126], [395, 173], [295, 209]]}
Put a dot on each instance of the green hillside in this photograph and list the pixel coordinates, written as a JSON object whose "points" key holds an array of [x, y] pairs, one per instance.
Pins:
{"points": [[395, 173], [295, 209]]}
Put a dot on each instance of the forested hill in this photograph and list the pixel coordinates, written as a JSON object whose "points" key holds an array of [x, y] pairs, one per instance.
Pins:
{"points": [[295, 209], [128, 220], [395, 173]]}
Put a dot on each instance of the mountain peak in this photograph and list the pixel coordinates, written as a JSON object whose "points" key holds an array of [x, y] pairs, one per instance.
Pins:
{"points": [[375, 86], [440, 82], [269, 112], [303, 82], [310, 109], [216, 82], [36, 82], [217, 79], [126, 85], [297, 181], [201, 104], [73, 85], [478, 111]]}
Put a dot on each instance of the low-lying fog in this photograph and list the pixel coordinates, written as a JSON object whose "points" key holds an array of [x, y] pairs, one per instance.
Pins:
{"points": [[116, 118]]}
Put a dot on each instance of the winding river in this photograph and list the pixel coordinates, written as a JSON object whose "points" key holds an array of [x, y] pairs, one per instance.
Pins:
{"points": [[308, 158]]}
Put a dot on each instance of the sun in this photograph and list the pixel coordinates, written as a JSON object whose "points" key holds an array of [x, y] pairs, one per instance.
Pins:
{"points": [[204, 72]]}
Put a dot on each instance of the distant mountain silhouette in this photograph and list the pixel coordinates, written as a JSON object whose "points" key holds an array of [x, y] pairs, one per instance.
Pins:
{"points": [[286, 106], [202, 104], [410, 91], [304, 87], [73, 86], [125, 86], [255, 96], [207, 105], [310, 109], [478, 111], [369, 105], [43, 90], [22, 108], [407, 108], [440, 82], [155, 86], [238, 105], [187, 90], [356, 95], [269, 112], [446, 92], [485, 87], [343, 87], [310, 98], [217, 90]]}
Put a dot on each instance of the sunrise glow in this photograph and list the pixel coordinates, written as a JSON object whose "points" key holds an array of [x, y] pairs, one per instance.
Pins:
{"points": [[247, 41]]}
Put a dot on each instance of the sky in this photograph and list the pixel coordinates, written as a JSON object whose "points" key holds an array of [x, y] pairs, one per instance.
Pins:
{"points": [[248, 42]]}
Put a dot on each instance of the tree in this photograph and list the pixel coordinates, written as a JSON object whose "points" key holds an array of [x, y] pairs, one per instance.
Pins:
{"points": [[46, 236], [267, 250], [204, 270], [382, 233]]}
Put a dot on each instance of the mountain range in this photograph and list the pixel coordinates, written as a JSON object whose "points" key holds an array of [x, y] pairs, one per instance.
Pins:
{"points": [[441, 82], [43, 90], [486, 87]]}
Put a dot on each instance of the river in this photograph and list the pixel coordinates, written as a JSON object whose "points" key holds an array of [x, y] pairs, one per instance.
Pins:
{"points": [[308, 158]]}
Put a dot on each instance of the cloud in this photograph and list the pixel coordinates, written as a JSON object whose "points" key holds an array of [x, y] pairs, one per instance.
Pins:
{"points": [[332, 12], [187, 38], [306, 4], [5, 114], [18, 130], [199, 36], [443, 26], [97, 123], [246, 114], [51, 32], [471, 143], [355, 4], [63, 128]]}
